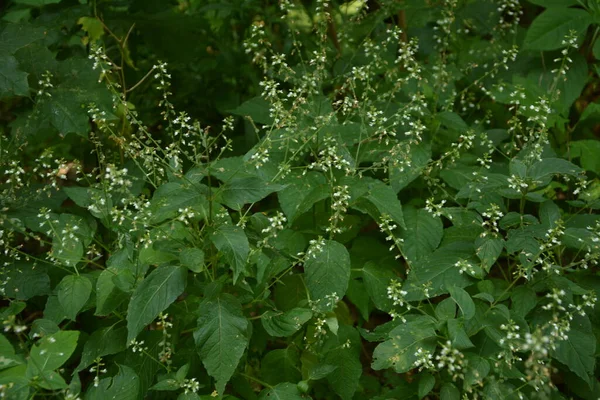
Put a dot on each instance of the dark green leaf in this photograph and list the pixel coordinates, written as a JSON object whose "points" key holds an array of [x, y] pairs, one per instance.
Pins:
{"points": [[285, 324], [281, 365], [109, 340], [12, 80], [549, 29], [73, 292], [16, 36], [422, 235], [233, 243], [123, 386], [283, 391], [51, 352], [577, 352]]}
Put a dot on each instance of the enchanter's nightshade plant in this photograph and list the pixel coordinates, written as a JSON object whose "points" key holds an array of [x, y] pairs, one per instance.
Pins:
{"points": [[392, 199]]}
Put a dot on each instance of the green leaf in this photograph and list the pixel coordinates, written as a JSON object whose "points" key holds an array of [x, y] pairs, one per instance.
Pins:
{"points": [[156, 292], [327, 272], [477, 369], [379, 200], [37, 3], [554, 3], [488, 251], [439, 271], [587, 151], [65, 113], [419, 157], [426, 383], [285, 324], [171, 197], [123, 386], [23, 281], [12, 80], [320, 371], [523, 299], [193, 259], [240, 191], [93, 26], [345, 378], [577, 352], [281, 365], [283, 391], [547, 167], [463, 300], [302, 193], [422, 235], [7, 353], [256, 108], [73, 292], [16, 36], [398, 351], [449, 392], [221, 337], [548, 30], [233, 243], [51, 352], [377, 278], [105, 341], [458, 335]]}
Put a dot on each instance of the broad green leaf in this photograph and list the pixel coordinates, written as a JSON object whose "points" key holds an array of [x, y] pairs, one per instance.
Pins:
{"points": [[463, 301], [380, 200], [221, 337], [488, 251], [422, 235], [577, 352], [171, 197], [320, 371], [233, 243], [523, 299], [377, 278], [16, 36], [105, 341], [51, 352], [156, 292], [438, 271], [477, 369], [193, 259], [65, 113], [426, 383], [327, 273], [449, 392], [12, 80], [287, 323], [554, 3], [302, 193], [240, 191], [93, 26], [458, 335], [281, 365], [73, 292], [345, 378], [23, 281], [419, 156], [446, 309], [257, 109], [550, 166], [549, 29], [587, 151], [283, 391], [108, 295], [123, 386], [7, 354], [398, 351]]}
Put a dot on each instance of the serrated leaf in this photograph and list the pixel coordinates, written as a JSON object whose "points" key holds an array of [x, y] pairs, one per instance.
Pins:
{"points": [[156, 292], [398, 351], [221, 337], [302, 193], [345, 378], [549, 29], [285, 324], [577, 351], [327, 272], [281, 365], [12, 80], [240, 191], [105, 341], [426, 383], [73, 292], [422, 235], [233, 243], [192, 258]]}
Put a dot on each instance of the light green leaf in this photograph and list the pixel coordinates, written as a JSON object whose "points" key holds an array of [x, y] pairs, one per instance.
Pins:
{"points": [[285, 324], [240, 191], [73, 292], [398, 351], [51, 352], [156, 292], [422, 235], [12, 80], [105, 341], [233, 243], [283, 391], [221, 337], [548, 30], [93, 26], [327, 272]]}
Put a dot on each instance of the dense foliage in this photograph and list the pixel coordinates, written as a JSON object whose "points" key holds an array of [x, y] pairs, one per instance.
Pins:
{"points": [[260, 199]]}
